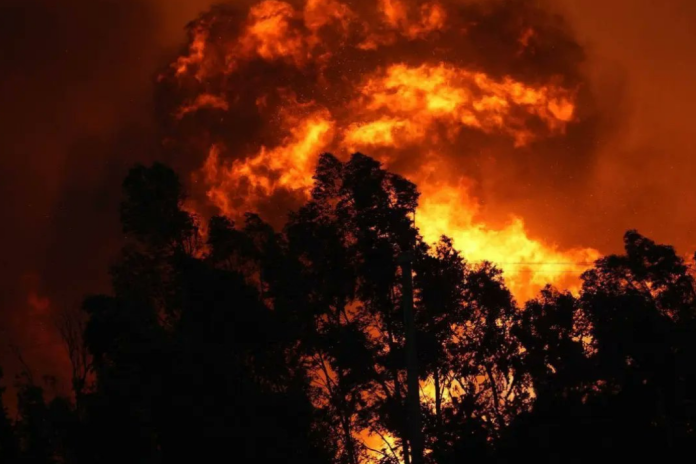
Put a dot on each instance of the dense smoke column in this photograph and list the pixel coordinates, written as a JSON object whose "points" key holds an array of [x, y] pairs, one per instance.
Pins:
{"points": [[435, 90]]}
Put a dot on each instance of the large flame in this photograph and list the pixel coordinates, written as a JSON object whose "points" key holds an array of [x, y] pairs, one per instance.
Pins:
{"points": [[410, 100], [262, 91], [325, 76]]}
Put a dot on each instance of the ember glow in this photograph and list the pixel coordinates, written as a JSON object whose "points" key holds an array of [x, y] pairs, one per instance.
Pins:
{"points": [[263, 92]]}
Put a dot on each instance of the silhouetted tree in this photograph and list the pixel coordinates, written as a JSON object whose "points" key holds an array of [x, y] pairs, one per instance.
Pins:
{"points": [[263, 345], [9, 448], [613, 370], [641, 308], [348, 238], [189, 363]]}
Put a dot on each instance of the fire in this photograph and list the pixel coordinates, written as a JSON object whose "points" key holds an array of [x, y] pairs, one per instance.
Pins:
{"points": [[288, 166], [270, 34], [396, 15], [204, 100], [528, 264], [320, 13], [326, 76], [417, 98], [399, 80], [196, 52]]}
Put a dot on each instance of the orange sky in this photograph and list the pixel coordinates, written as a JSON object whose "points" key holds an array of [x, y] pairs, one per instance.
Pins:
{"points": [[76, 82]]}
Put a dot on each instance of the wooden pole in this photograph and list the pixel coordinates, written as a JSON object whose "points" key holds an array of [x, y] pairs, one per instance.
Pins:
{"points": [[413, 412]]}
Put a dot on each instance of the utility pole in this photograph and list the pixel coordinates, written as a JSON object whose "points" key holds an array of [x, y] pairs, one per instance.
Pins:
{"points": [[413, 394]]}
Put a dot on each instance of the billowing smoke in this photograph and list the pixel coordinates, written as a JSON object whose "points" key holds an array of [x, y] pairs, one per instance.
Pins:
{"points": [[77, 80], [465, 98]]}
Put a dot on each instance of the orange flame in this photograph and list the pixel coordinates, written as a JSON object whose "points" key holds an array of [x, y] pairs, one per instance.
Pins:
{"points": [[287, 166], [353, 93], [196, 52], [416, 98], [204, 100], [528, 264], [395, 107], [270, 34]]}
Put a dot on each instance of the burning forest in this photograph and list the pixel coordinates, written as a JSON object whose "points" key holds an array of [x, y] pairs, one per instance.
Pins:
{"points": [[350, 233], [259, 94]]}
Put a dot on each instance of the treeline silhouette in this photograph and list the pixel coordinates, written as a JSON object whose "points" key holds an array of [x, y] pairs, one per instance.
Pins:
{"points": [[256, 346]]}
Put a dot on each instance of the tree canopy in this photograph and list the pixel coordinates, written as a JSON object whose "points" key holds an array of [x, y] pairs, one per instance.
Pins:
{"points": [[250, 344]]}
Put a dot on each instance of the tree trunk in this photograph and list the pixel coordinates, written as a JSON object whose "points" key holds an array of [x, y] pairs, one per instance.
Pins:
{"points": [[413, 394], [348, 437], [438, 400]]}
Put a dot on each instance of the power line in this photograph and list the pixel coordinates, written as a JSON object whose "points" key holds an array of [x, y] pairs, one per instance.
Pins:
{"points": [[541, 263]]}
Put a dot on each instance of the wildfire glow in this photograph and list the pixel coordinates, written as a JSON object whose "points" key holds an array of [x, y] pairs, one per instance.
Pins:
{"points": [[528, 264], [204, 100], [396, 105], [270, 34], [196, 52], [415, 99], [393, 79], [288, 166]]}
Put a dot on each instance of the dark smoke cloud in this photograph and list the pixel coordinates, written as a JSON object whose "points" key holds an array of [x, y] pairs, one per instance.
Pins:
{"points": [[481, 36]]}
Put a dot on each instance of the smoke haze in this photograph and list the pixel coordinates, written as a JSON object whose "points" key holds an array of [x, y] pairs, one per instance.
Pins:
{"points": [[77, 86]]}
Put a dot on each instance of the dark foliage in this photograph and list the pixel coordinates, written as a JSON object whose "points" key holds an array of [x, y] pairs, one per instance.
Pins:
{"points": [[254, 345]]}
